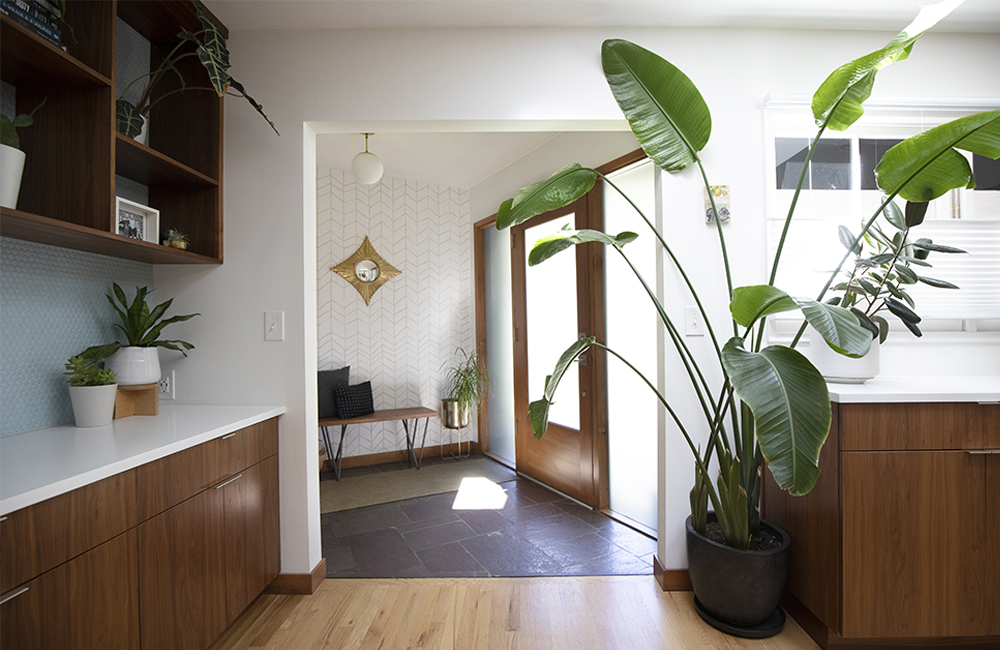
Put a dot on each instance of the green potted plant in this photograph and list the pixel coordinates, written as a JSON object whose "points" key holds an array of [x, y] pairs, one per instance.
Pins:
{"points": [[209, 46], [876, 285], [771, 402], [176, 239], [137, 360], [92, 392], [468, 382], [11, 156]]}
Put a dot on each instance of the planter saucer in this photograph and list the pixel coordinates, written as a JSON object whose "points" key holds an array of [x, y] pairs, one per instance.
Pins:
{"points": [[774, 624]]}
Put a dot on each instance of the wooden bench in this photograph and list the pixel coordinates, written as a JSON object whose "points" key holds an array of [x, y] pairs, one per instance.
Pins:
{"points": [[390, 415]]}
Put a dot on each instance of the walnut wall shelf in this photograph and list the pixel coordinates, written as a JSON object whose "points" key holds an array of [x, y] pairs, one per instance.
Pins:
{"points": [[67, 196]]}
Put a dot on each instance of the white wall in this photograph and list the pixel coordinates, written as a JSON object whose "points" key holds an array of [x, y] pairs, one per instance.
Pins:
{"points": [[466, 74], [404, 340]]}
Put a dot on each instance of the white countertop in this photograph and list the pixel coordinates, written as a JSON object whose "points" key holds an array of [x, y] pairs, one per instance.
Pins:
{"points": [[984, 388], [39, 465]]}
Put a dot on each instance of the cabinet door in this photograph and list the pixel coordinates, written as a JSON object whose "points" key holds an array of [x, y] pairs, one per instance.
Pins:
{"points": [[252, 543], [181, 561], [916, 561], [993, 537], [89, 602]]}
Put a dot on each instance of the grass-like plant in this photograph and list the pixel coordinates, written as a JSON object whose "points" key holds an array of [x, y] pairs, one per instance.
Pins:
{"points": [[468, 380], [84, 372], [772, 403], [140, 325]]}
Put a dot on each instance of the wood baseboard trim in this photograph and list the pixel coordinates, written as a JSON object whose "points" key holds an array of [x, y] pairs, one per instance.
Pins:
{"points": [[399, 456], [671, 579], [303, 584]]}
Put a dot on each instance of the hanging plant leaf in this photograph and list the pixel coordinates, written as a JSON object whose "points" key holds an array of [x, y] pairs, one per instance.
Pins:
{"points": [[128, 121], [257, 107]]}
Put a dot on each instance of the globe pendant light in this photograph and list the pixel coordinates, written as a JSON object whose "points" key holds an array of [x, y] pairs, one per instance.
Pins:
{"points": [[366, 167]]}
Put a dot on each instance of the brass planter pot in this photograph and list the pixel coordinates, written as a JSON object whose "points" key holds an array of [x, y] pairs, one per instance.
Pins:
{"points": [[453, 414]]}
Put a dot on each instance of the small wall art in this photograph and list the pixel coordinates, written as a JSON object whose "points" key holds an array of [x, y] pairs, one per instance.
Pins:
{"points": [[136, 221], [366, 270], [721, 194]]}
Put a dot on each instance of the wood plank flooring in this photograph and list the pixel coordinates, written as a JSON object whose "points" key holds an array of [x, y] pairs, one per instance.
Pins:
{"points": [[564, 613]]}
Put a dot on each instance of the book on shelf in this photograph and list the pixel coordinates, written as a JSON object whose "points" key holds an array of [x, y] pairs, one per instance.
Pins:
{"points": [[51, 5], [18, 15], [38, 12]]}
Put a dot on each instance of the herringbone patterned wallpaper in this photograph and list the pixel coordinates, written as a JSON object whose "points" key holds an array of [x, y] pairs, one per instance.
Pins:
{"points": [[405, 339]]}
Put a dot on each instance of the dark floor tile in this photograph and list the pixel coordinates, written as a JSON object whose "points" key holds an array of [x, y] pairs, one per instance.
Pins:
{"points": [[634, 542], [449, 558], [338, 559], [572, 550], [617, 562], [530, 512], [556, 526], [426, 523], [381, 553], [484, 521], [350, 573], [348, 523], [437, 505], [589, 515], [437, 535], [506, 553], [534, 492]]}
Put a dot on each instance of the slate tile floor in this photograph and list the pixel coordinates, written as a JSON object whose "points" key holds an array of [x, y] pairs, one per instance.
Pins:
{"points": [[538, 532]]}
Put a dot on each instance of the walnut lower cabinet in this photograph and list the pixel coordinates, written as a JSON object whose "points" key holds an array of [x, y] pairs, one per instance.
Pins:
{"points": [[900, 540], [173, 576]]}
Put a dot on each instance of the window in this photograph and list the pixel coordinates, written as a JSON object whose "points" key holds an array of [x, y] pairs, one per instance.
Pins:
{"points": [[840, 189]]}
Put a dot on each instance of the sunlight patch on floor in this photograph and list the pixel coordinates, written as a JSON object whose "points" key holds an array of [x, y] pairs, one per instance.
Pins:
{"points": [[479, 493]]}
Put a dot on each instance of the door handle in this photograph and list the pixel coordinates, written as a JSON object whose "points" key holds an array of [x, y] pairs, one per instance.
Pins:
{"points": [[222, 485], [982, 452]]}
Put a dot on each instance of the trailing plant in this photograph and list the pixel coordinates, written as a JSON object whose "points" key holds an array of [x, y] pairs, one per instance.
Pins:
{"points": [[84, 372], [209, 45], [140, 325], [877, 283], [9, 127], [772, 403], [468, 380]]}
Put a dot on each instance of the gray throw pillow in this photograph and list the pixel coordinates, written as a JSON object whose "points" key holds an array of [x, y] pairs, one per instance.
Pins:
{"points": [[329, 380]]}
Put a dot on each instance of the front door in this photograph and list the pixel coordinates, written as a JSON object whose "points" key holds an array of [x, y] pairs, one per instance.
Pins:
{"points": [[554, 303]]}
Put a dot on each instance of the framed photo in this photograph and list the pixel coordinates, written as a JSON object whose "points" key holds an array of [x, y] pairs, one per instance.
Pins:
{"points": [[136, 221]]}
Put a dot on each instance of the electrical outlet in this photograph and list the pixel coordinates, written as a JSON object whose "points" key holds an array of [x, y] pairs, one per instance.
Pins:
{"points": [[693, 324], [167, 386]]}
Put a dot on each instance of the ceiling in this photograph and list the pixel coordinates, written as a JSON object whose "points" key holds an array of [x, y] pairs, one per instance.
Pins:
{"points": [[972, 16]]}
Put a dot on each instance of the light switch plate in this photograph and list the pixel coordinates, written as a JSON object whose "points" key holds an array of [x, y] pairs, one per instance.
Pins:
{"points": [[274, 326], [693, 323]]}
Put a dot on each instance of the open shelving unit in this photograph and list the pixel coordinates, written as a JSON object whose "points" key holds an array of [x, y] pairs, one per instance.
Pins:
{"points": [[67, 195]]}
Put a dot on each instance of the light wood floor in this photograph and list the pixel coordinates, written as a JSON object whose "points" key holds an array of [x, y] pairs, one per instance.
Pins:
{"points": [[571, 613]]}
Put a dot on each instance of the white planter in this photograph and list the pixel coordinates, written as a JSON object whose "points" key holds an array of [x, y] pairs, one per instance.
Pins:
{"points": [[143, 136], [93, 406], [11, 168], [838, 369], [134, 366]]}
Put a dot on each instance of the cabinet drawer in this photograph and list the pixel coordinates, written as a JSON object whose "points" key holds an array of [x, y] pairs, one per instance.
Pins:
{"points": [[164, 483], [901, 427], [89, 602], [40, 537]]}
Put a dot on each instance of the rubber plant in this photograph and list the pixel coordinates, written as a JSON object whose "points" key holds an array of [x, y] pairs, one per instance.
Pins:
{"points": [[772, 403], [209, 45], [140, 325]]}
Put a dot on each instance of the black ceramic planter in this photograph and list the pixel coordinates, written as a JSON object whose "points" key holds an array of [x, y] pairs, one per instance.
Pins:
{"points": [[738, 591]]}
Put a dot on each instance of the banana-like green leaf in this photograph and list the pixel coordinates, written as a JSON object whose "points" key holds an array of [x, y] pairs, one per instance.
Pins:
{"points": [[558, 190], [128, 121], [838, 101], [926, 166], [664, 109], [538, 411], [548, 246], [837, 325], [791, 407]]}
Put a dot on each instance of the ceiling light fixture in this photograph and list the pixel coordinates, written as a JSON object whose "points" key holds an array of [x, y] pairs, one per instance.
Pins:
{"points": [[366, 167]]}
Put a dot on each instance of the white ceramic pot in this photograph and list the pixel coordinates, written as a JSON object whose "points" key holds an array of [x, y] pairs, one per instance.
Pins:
{"points": [[93, 406], [11, 168], [838, 369], [143, 137], [134, 365]]}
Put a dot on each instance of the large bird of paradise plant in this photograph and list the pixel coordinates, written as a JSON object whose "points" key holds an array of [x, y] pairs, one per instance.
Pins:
{"points": [[772, 403]]}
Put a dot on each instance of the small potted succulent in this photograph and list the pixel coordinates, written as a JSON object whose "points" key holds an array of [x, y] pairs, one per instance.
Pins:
{"points": [[11, 156], [137, 361], [468, 382], [92, 392], [176, 239]]}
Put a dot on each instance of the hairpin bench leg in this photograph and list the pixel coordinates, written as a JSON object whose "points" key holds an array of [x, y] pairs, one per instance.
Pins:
{"points": [[411, 454], [334, 460]]}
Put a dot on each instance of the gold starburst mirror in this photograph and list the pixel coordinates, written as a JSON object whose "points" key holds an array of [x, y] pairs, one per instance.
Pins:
{"points": [[366, 270]]}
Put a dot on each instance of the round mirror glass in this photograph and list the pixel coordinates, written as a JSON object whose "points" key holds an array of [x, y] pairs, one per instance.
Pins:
{"points": [[366, 270]]}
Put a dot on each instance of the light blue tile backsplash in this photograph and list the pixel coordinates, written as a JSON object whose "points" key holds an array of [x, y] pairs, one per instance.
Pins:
{"points": [[52, 306]]}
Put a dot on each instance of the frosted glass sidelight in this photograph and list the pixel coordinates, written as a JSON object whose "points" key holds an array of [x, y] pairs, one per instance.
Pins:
{"points": [[499, 342], [552, 323]]}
